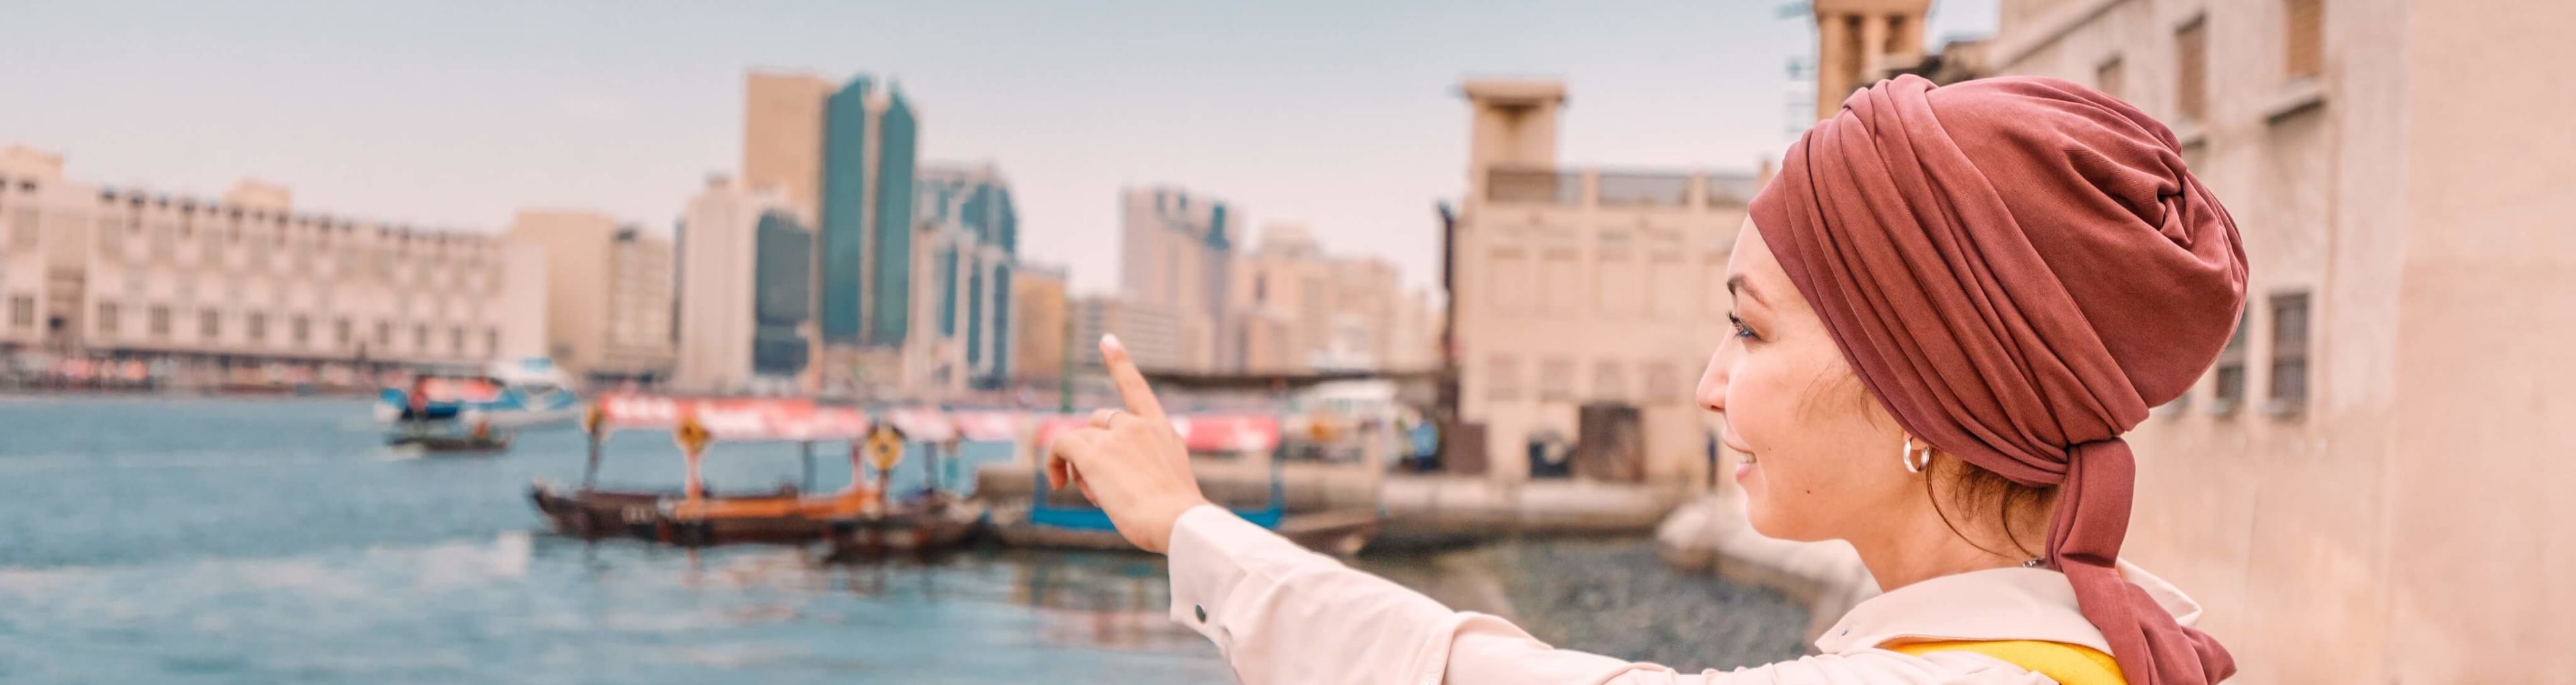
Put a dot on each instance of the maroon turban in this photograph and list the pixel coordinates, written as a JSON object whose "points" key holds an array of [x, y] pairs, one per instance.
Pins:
{"points": [[2019, 268]]}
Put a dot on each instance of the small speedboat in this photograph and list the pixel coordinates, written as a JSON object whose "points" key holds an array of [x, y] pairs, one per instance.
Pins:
{"points": [[1047, 524]]}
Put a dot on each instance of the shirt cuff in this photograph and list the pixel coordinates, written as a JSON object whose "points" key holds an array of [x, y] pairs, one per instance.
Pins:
{"points": [[1212, 551]]}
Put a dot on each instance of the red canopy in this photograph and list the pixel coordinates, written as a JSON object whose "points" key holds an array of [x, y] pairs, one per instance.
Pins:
{"points": [[740, 419]]}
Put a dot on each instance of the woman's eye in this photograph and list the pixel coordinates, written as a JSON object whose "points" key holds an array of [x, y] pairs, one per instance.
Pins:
{"points": [[1740, 330]]}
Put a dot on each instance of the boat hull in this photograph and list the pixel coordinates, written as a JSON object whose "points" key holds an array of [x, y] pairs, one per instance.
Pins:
{"points": [[598, 514], [1338, 533]]}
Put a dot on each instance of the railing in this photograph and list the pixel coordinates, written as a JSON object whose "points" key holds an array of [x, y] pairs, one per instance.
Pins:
{"points": [[1543, 186], [1578, 187], [1732, 189], [1644, 190]]}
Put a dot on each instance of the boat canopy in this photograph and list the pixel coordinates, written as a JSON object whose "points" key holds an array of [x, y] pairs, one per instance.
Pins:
{"points": [[729, 419], [1204, 433]]}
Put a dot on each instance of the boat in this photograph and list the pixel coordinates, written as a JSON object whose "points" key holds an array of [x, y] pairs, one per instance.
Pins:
{"points": [[524, 393], [1045, 523], [696, 515]]}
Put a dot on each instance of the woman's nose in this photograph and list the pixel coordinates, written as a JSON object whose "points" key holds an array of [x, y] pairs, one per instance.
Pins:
{"points": [[1712, 382]]}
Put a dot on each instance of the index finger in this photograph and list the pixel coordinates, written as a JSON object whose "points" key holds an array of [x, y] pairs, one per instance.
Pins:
{"points": [[1131, 383]]}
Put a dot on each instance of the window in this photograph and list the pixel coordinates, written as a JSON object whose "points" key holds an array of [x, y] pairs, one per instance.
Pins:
{"points": [[1514, 286], [2111, 78], [257, 325], [491, 341], [456, 340], [1622, 284], [1556, 380], [22, 311], [301, 329], [160, 321], [1564, 282], [384, 333], [1609, 382], [340, 332], [2229, 374], [420, 337], [1503, 378], [2191, 71], [107, 319], [2289, 390], [22, 224], [2304, 22]]}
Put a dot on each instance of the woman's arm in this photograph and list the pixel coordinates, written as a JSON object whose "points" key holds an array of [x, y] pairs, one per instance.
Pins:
{"points": [[1284, 615]]}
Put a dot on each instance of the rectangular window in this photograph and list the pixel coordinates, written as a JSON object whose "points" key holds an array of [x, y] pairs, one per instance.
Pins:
{"points": [[1556, 380], [22, 228], [2289, 390], [2191, 71], [1665, 383], [1514, 286], [209, 324], [384, 333], [2304, 23], [492, 341], [2111, 78], [257, 325], [22, 311], [1564, 282], [2228, 376], [340, 332], [420, 337], [160, 321], [456, 340], [1502, 378], [107, 319], [1621, 283], [1609, 382], [301, 329]]}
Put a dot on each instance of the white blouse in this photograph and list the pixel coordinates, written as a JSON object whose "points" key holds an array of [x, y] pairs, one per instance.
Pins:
{"points": [[1282, 614]]}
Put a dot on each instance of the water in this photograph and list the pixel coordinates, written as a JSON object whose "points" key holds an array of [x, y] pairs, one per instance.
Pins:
{"points": [[214, 541]]}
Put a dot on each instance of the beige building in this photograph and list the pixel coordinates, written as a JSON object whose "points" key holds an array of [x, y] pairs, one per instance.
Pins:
{"points": [[210, 285], [1152, 334], [1303, 310], [782, 135], [1583, 286], [1177, 252], [1040, 320], [608, 293], [745, 292], [2368, 486], [1857, 41]]}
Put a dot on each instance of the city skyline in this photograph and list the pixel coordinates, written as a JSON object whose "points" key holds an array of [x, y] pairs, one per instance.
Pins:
{"points": [[465, 117]]}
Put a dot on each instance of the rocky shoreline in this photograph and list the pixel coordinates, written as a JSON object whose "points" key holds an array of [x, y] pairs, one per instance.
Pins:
{"points": [[1613, 596]]}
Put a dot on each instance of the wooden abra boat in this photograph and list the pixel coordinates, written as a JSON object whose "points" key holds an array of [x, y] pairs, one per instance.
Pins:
{"points": [[697, 515]]}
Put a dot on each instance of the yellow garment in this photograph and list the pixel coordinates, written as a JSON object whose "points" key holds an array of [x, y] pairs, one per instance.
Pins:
{"points": [[2067, 664]]}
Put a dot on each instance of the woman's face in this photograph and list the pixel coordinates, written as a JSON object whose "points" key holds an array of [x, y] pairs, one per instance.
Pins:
{"points": [[1821, 457]]}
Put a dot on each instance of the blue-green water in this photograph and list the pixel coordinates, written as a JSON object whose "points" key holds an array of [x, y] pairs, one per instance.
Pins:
{"points": [[214, 541], [235, 541]]}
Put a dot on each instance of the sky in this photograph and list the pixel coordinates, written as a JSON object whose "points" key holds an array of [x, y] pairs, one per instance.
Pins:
{"points": [[1340, 115]]}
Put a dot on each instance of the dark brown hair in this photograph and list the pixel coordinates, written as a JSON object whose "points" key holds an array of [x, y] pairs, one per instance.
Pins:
{"points": [[1973, 488]]}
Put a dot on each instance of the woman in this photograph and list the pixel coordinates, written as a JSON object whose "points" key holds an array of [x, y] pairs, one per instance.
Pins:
{"points": [[1991, 281]]}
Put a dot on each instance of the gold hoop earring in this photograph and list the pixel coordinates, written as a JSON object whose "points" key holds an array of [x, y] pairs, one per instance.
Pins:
{"points": [[1911, 466]]}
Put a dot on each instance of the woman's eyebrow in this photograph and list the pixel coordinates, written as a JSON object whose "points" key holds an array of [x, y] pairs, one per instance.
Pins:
{"points": [[1736, 282]]}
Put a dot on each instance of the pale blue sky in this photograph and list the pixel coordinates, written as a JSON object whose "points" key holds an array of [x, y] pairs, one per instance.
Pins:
{"points": [[1339, 114]]}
